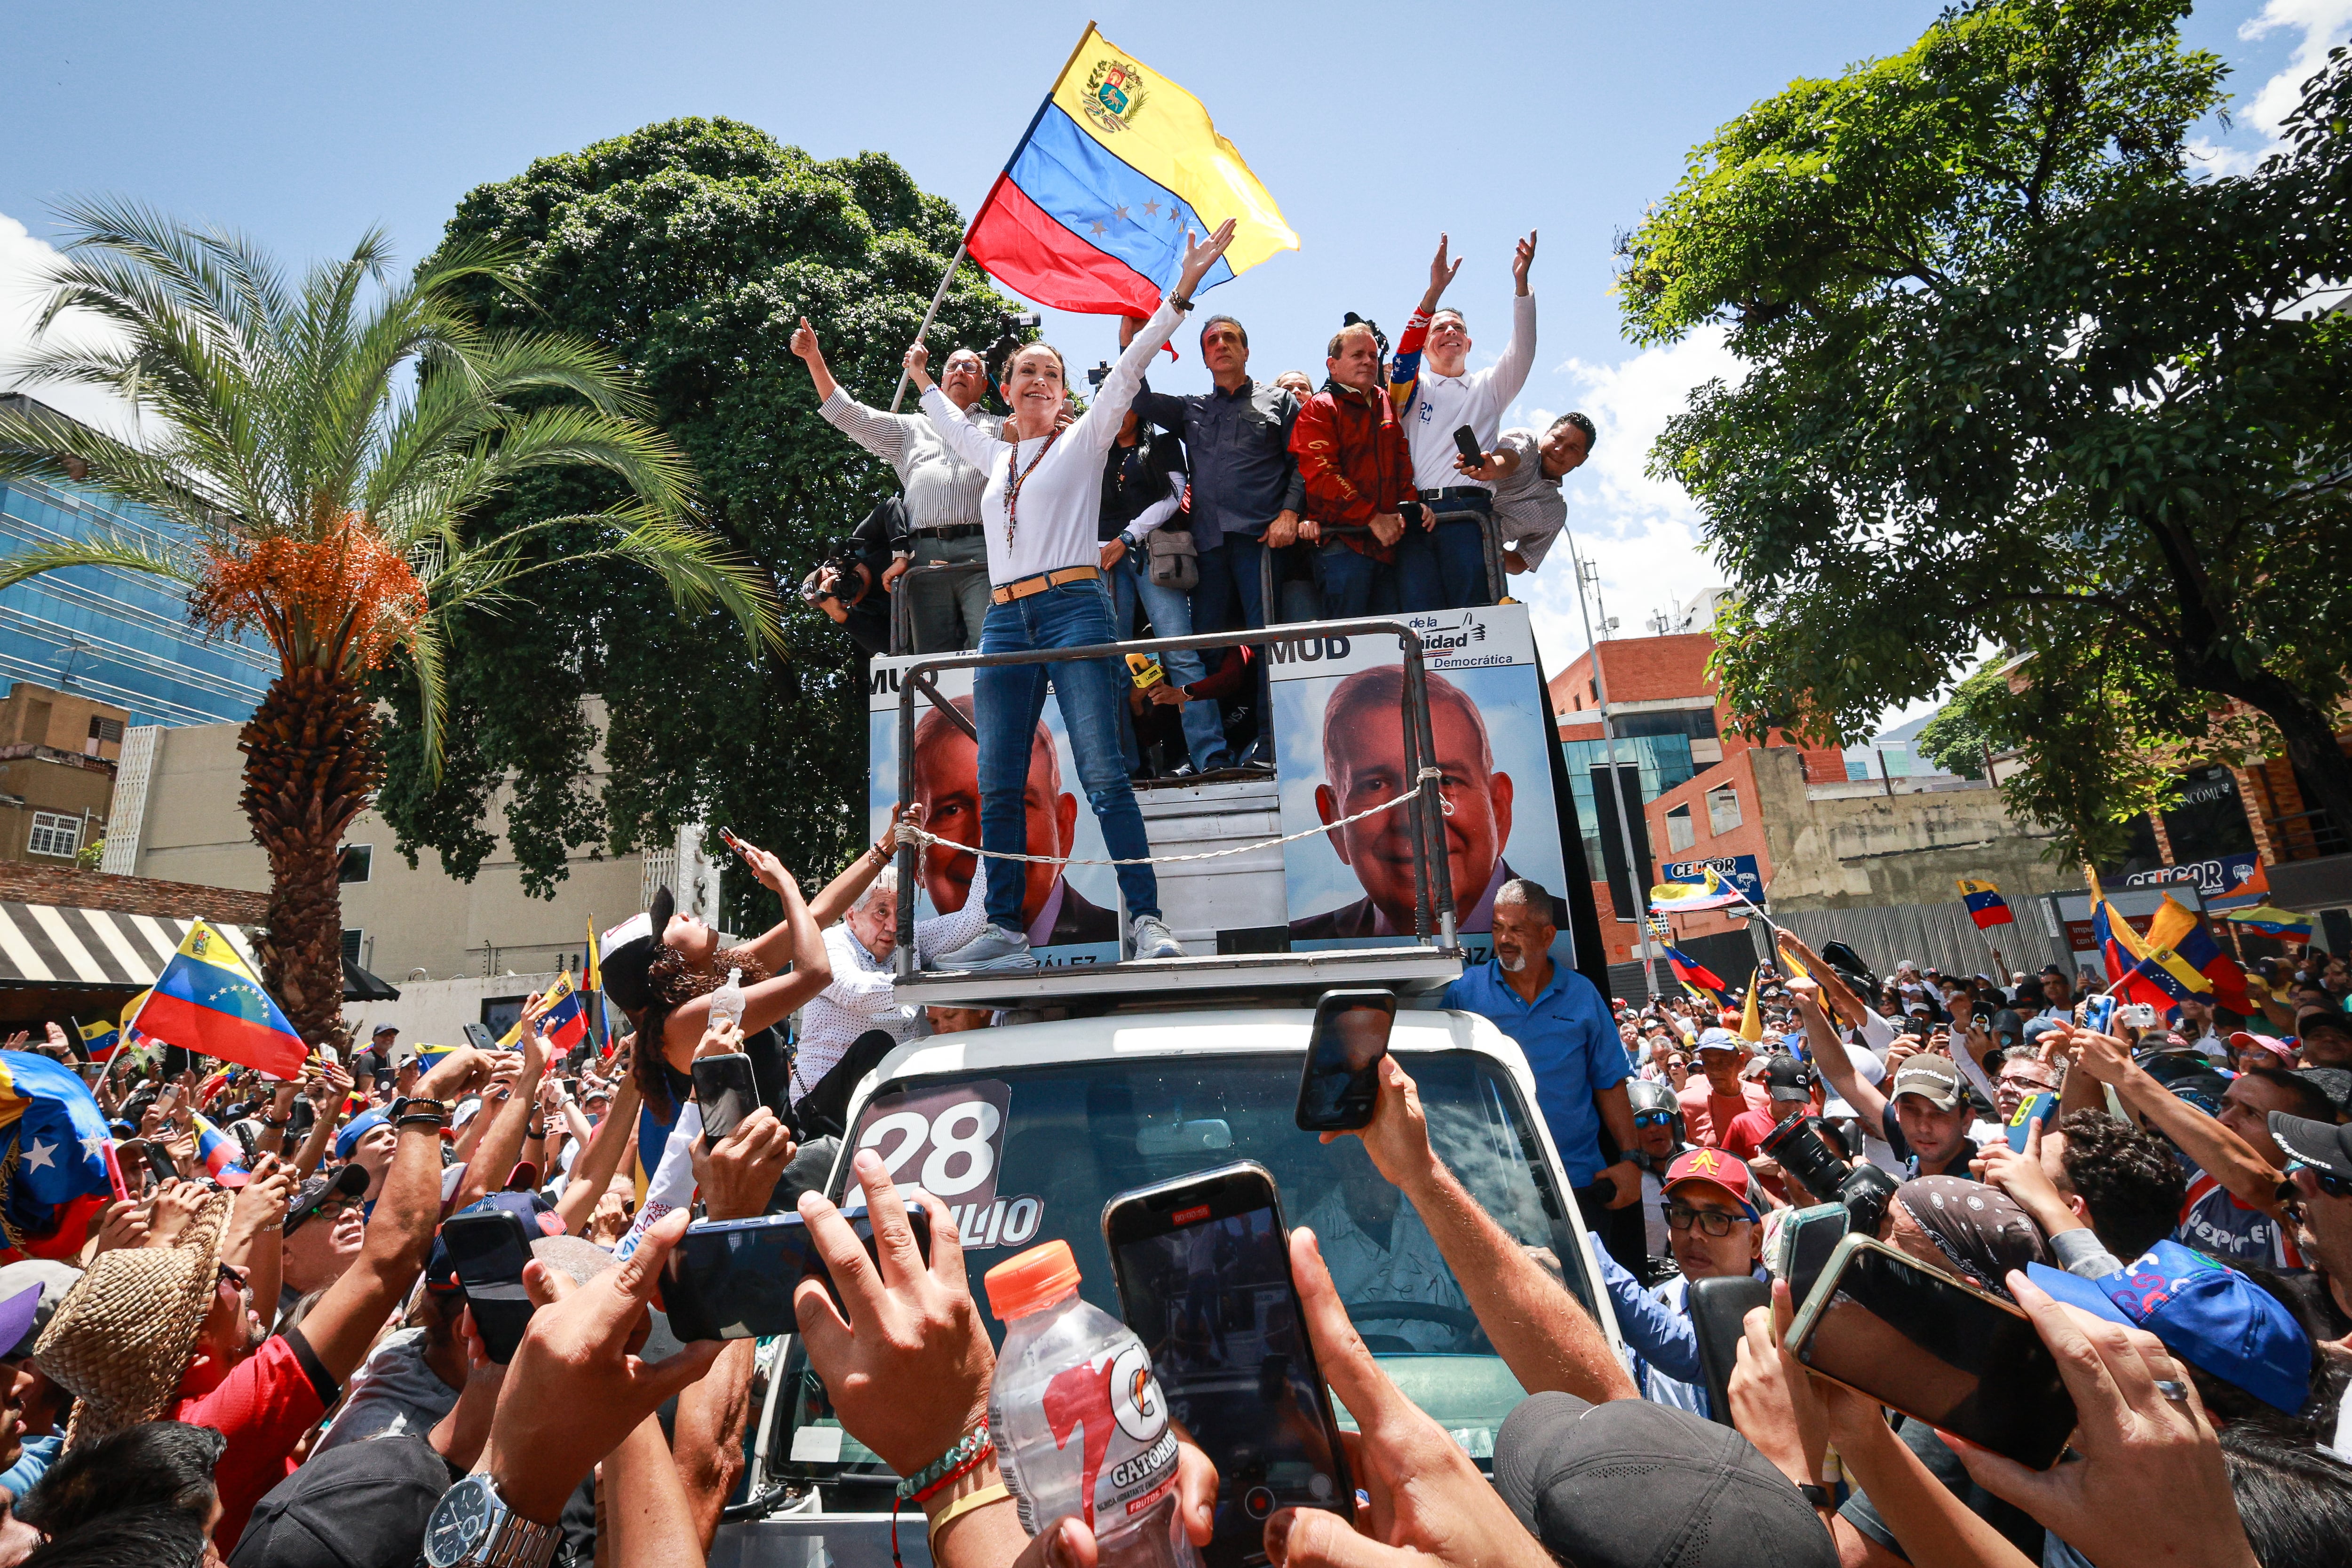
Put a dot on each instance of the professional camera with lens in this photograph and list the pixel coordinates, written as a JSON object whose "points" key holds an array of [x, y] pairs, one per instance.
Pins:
{"points": [[1807, 1150], [841, 558]]}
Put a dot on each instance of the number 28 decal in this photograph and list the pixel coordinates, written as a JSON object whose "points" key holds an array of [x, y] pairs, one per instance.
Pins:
{"points": [[950, 1141]]}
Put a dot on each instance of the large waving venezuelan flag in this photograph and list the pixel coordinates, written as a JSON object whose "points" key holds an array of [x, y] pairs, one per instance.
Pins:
{"points": [[207, 1001], [1089, 214]]}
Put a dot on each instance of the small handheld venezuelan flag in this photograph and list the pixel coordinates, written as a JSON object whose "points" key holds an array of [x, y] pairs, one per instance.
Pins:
{"points": [[218, 1151], [208, 1001], [101, 1039], [1985, 904], [1711, 892]]}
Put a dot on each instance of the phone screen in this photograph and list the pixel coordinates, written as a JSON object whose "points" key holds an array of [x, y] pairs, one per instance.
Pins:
{"points": [[2099, 1015], [734, 1279], [1930, 1347], [1342, 1081], [724, 1090], [1212, 1302]]}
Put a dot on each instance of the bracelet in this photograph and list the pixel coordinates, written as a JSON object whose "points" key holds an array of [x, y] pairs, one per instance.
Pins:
{"points": [[966, 1452], [964, 1505], [424, 1118], [538, 1131], [1181, 302]]}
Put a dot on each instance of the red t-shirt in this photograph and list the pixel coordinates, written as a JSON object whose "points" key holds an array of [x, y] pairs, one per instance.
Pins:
{"points": [[263, 1407], [1705, 1111]]}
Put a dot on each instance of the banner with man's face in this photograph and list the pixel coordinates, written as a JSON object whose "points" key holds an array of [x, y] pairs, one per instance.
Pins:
{"points": [[1337, 706], [1071, 913]]}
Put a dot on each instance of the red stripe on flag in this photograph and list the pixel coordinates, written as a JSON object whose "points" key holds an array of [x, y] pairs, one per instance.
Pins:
{"points": [[179, 1022], [1035, 254]]}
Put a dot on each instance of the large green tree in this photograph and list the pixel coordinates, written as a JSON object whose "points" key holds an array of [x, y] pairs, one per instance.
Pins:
{"points": [[688, 250], [2016, 372]]}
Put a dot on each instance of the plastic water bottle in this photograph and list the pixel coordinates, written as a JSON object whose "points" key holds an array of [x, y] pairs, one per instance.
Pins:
{"points": [[1080, 1424], [727, 1002]]}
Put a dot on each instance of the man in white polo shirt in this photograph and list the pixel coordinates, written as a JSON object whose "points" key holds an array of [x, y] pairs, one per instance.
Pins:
{"points": [[1443, 565]]}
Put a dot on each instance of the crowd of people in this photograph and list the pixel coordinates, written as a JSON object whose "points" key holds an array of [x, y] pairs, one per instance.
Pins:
{"points": [[263, 1352], [1353, 483]]}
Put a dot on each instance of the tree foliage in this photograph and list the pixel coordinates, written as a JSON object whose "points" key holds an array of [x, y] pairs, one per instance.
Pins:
{"points": [[1973, 725], [2016, 374], [689, 250]]}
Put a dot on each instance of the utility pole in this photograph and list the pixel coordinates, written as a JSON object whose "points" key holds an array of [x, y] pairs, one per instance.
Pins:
{"points": [[1590, 572]]}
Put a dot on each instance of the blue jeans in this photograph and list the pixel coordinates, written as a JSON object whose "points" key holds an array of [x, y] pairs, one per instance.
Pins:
{"points": [[1356, 586], [1007, 702], [1229, 599], [1170, 610], [1443, 571]]}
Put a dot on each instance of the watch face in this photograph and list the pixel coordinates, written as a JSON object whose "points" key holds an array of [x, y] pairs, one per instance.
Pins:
{"points": [[460, 1522]]}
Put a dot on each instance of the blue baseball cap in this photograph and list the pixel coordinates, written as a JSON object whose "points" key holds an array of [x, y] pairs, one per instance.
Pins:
{"points": [[537, 1216], [360, 1127], [2207, 1313]]}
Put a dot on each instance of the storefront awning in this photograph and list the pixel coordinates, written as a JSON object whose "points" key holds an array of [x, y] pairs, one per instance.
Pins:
{"points": [[50, 945]]}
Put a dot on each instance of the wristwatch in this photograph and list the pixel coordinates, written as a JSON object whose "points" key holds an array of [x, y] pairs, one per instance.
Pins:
{"points": [[471, 1527]]}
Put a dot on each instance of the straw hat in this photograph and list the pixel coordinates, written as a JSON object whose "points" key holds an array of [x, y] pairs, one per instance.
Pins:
{"points": [[121, 1338]]}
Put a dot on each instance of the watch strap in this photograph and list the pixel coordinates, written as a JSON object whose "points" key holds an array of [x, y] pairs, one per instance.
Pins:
{"points": [[1818, 1496], [519, 1543]]}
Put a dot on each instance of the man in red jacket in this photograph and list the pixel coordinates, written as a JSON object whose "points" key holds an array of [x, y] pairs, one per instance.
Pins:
{"points": [[1358, 469]]}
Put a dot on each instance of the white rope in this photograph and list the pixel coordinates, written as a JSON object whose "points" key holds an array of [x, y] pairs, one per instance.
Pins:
{"points": [[909, 833]]}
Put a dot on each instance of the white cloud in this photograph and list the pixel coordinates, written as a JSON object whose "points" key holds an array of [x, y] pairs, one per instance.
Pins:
{"points": [[25, 263], [1642, 533], [2323, 24]]}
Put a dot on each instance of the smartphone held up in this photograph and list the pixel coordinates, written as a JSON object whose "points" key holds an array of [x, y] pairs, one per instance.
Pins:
{"points": [[1341, 1083]]}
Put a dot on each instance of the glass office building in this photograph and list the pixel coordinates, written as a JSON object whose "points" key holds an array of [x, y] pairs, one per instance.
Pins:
{"points": [[118, 637]]}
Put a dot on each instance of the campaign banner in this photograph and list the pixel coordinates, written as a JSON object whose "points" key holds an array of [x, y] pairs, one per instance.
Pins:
{"points": [[1738, 871], [1337, 708], [1072, 913]]}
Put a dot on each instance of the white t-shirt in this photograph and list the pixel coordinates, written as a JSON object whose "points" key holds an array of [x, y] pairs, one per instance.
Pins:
{"points": [[1443, 403], [1060, 501]]}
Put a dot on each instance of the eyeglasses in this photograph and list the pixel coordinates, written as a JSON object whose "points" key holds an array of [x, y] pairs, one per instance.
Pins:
{"points": [[1681, 1217], [333, 1206], [232, 1276], [1653, 1118]]}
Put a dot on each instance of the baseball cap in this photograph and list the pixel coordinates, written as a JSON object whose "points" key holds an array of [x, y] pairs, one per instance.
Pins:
{"points": [[360, 1126], [2335, 1023], [1631, 1482], [46, 1281], [2323, 1145], [358, 1505], [384, 1029], [1716, 1169], [1932, 1077], [1786, 1078], [2335, 1083], [537, 1216], [346, 1181], [2208, 1314], [1720, 1040], [2243, 1040], [629, 949]]}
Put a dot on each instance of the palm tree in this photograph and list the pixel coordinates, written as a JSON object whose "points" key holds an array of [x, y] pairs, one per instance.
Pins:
{"points": [[322, 452]]}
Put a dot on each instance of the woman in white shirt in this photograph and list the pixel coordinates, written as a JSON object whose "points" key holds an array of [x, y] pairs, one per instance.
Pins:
{"points": [[1039, 511]]}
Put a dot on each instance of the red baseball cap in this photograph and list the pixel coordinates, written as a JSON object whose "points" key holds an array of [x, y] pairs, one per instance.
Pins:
{"points": [[1724, 1171]]}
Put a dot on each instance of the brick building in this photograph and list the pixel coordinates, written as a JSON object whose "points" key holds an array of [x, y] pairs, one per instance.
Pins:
{"points": [[58, 757]]}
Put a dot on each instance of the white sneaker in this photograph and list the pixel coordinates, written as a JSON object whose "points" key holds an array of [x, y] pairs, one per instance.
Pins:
{"points": [[1150, 937], [993, 948]]}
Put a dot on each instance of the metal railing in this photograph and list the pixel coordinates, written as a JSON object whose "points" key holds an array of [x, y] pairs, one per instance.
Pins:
{"points": [[1432, 879]]}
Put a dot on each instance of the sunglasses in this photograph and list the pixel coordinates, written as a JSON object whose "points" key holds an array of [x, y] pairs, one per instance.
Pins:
{"points": [[229, 1274], [2329, 1182], [333, 1206], [1682, 1216], [1653, 1118]]}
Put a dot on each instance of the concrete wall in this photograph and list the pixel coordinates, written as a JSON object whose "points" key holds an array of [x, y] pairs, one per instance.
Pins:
{"points": [[435, 1012], [419, 923]]}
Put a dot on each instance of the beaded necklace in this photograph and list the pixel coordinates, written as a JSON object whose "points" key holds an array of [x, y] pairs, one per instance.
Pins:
{"points": [[1016, 476]]}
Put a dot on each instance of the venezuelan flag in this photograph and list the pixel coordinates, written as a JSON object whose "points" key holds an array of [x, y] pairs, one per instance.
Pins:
{"points": [[2272, 922], [101, 1039], [1985, 904], [1697, 978], [567, 1022], [218, 1151], [2181, 953], [429, 1057], [548, 999], [1679, 898], [207, 1001], [1090, 212], [53, 1147]]}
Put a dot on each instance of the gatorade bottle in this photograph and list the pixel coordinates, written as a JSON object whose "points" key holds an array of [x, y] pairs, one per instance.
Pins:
{"points": [[727, 1002], [1079, 1422]]}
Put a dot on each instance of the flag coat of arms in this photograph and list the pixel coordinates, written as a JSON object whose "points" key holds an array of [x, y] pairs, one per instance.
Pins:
{"points": [[1091, 210], [1985, 904], [53, 1148], [209, 1001]]}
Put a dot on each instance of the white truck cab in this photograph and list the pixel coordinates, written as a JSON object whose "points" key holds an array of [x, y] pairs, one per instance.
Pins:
{"points": [[1026, 1130]]}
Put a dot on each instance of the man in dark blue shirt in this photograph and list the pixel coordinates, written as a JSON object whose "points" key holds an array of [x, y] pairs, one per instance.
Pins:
{"points": [[1562, 1025], [1246, 489]]}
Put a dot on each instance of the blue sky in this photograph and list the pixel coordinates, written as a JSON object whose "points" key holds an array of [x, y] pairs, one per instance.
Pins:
{"points": [[1374, 125]]}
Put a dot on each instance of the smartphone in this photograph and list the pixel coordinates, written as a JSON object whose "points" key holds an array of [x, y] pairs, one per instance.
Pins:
{"points": [[724, 1090], [1203, 1267], [2042, 1105], [727, 837], [1465, 441], [2099, 1015], [1889, 1327], [160, 1162], [1719, 1310], [734, 1279], [488, 1248], [1801, 1247], [2136, 1016], [1340, 1082]]}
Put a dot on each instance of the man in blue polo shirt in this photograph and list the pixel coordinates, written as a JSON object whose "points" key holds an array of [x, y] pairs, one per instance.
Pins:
{"points": [[1563, 1026]]}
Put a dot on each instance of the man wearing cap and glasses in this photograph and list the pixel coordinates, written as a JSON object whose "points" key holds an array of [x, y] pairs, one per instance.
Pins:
{"points": [[326, 1225], [1714, 1211], [2319, 1169]]}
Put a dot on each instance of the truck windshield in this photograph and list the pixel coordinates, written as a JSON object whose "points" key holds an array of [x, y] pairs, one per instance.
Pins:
{"points": [[1076, 1135]]}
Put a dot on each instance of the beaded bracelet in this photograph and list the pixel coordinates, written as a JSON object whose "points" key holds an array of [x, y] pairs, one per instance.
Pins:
{"points": [[966, 1449]]}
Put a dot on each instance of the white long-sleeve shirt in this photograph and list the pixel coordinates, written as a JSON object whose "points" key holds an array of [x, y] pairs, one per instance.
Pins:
{"points": [[1443, 403], [861, 997], [1061, 495]]}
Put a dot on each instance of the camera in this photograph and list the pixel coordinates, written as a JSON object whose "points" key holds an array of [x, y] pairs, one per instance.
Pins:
{"points": [[1807, 1150], [840, 558]]}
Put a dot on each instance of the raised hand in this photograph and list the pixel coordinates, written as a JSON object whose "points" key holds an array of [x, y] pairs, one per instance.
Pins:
{"points": [[1201, 255], [1440, 276], [739, 1173], [1523, 259], [804, 344], [918, 361]]}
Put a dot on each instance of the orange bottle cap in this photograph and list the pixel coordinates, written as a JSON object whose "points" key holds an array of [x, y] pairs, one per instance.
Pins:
{"points": [[1031, 1279]]}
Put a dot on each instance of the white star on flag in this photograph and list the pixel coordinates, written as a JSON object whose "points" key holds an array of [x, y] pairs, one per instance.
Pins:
{"points": [[94, 1146], [36, 1158]]}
